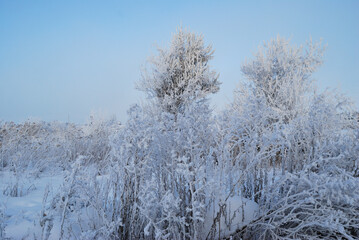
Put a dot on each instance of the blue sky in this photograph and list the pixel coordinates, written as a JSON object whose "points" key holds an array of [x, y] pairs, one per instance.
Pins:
{"points": [[62, 60]]}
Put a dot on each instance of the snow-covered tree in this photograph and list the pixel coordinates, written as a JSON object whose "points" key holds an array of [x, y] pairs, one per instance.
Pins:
{"points": [[168, 142], [281, 74], [180, 74], [268, 106], [288, 143]]}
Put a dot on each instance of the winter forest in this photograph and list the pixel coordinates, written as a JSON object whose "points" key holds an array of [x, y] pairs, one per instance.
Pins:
{"points": [[280, 162]]}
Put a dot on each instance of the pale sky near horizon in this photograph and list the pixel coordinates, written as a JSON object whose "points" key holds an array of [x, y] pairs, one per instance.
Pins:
{"points": [[62, 60]]}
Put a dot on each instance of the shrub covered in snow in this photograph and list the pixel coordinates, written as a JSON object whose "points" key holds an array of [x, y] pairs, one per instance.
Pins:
{"points": [[319, 202], [296, 150]]}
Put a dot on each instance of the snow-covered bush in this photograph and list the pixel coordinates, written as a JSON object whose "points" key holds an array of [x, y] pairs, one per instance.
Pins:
{"points": [[83, 206], [168, 143], [37, 145], [159, 172], [276, 128], [33, 145], [95, 141], [263, 126], [180, 165], [319, 202], [157, 177]]}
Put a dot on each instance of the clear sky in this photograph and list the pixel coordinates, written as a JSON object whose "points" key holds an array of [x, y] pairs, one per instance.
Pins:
{"points": [[60, 60]]}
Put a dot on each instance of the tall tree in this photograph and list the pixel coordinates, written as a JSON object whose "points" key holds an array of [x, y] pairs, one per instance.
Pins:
{"points": [[281, 73], [264, 125], [180, 74], [168, 142]]}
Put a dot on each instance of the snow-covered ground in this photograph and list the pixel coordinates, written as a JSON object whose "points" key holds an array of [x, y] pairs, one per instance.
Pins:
{"points": [[22, 213]]}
